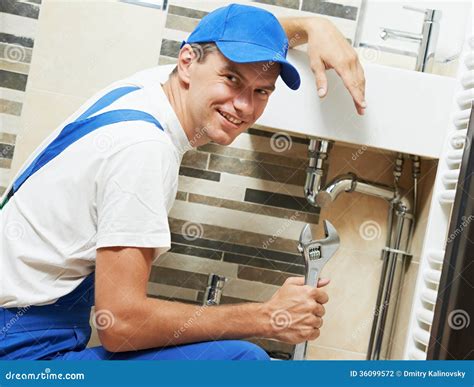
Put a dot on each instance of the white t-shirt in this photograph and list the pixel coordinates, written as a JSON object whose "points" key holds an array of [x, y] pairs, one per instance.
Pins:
{"points": [[113, 187]]}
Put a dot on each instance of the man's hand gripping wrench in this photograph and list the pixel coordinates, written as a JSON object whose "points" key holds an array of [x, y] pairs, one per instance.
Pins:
{"points": [[316, 253]]}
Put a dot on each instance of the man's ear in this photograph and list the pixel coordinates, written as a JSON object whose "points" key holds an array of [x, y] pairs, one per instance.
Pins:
{"points": [[185, 59]]}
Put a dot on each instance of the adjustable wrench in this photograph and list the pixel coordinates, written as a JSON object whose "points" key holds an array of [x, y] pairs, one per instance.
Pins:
{"points": [[316, 253]]}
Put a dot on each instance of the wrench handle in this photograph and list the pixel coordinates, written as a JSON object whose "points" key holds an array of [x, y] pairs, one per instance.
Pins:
{"points": [[312, 277]]}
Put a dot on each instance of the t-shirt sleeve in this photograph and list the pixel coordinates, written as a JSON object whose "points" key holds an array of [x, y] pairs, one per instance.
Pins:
{"points": [[131, 197]]}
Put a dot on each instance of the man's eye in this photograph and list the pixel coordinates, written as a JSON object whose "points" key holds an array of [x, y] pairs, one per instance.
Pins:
{"points": [[231, 78], [262, 92]]}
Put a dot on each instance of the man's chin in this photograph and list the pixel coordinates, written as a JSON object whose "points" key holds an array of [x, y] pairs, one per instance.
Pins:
{"points": [[222, 137], [224, 140]]}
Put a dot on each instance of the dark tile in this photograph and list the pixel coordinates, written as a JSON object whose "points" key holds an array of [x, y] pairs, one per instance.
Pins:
{"points": [[249, 251], [281, 213], [221, 235], [12, 80], [196, 251], [188, 12], [180, 195], [258, 170], [200, 174], [270, 158], [174, 299], [330, 9], [279, 200], [186, 279], [265, 263], [6, 150], [224, 299], [14, 39], [262, 275], [281, 3], [195, 159], [267, 133], [170, 48], [19, 8]]}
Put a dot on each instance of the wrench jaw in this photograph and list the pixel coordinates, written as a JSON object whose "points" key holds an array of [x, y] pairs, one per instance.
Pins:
{"points": [[318, 252]]}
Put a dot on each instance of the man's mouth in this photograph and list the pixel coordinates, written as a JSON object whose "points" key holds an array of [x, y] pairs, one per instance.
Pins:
{"points": [[230, 118]]}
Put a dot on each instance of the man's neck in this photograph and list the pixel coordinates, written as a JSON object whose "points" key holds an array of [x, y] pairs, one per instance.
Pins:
{"points": [[176, 96]]}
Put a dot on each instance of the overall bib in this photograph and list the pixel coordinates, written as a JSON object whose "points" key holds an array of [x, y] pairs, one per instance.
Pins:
{"points": [[61, 330]]}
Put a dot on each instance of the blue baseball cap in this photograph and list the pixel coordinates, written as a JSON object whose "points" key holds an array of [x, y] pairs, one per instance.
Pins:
{"points": [[246, 34]]}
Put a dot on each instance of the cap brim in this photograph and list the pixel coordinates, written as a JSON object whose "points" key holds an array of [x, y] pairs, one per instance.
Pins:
{"points": [[241, 52]]}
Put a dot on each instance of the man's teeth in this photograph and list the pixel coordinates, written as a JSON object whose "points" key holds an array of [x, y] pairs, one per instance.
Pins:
{"points": [[231, 119]]}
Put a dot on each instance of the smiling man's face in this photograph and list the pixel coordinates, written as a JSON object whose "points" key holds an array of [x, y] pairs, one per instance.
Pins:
{"points": [[225, 98]]}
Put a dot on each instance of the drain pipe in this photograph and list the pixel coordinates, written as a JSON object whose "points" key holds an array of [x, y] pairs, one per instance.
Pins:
{"points": [[317, 169]]}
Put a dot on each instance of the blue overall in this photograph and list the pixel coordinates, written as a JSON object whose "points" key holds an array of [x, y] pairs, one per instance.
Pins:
{"points": [[61, 330]]}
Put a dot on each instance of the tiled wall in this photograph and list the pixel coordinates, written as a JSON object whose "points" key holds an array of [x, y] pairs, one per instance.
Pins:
{"points": [[239, 209], [245, 201], [183, 16], [18, 20]]}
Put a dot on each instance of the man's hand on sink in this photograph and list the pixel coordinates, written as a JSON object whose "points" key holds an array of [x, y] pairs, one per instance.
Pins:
{"points": [[295, 311], [328, 49]]}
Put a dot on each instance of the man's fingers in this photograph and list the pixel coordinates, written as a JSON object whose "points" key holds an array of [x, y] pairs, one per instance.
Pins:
{"points": [[355, 86], [319, 70], [319, 296], [294, 281], [323, 282]]}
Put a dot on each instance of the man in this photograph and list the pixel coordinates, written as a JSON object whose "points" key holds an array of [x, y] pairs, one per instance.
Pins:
{"points": [[90, 205]]}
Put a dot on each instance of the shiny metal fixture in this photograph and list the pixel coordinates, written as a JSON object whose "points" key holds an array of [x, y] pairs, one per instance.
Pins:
{"points": [[427, 39], [316, 253]]}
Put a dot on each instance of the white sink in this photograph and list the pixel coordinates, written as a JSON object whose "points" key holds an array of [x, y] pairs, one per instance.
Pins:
{"points": [[407, 111]]}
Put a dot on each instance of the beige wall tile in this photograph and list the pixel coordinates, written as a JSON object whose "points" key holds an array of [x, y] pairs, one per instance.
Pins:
{"points": [[352, 295], [85, 56], [43, 112], [238, 220], [197, 265], [317, 352]]}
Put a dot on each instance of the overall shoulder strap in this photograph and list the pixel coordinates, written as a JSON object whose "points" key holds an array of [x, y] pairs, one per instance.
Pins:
{"points": [[81, 127]]}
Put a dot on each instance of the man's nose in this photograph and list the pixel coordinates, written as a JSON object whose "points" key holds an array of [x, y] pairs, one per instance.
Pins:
{"points": [[243, 103]]}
